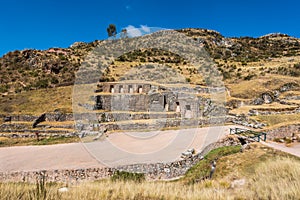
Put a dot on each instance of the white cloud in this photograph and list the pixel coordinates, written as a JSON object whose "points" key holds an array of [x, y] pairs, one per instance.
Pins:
{"points": [[133, 31], [145, 28]]}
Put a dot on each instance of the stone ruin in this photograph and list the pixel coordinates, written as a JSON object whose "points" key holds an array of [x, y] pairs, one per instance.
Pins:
{"points": [[149, 97], [167, 104], [183, 99]]}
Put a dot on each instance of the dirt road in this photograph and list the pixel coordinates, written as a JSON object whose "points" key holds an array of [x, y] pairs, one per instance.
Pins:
{"points": [[294, 149], [116, 149]]}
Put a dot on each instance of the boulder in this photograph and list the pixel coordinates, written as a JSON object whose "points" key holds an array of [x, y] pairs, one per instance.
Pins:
{"points": [[267, 98], [7, 119], [258, 101], [40, 119], [238, 183]]}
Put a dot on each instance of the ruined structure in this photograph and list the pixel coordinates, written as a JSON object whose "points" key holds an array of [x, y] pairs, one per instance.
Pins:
{"points": [[180, 100], [149, 97]]}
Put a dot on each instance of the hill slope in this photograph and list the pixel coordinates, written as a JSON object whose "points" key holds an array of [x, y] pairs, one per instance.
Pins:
{"points": [[34, 69]]}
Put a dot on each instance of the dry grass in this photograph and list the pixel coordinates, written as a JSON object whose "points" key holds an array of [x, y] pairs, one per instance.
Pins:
{"points": [[278, 120], [268, 174], [251, 89], [265, 107], [9, 142], [36, 102], [121, 69], [275, 179], [289, 93]]}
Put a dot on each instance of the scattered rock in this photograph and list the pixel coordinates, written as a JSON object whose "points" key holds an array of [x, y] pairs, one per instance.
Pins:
{"points": [[63, 189], [245, 147], [7, 119], [188, 153], [238, 183], [267, 98], [258, 101]]}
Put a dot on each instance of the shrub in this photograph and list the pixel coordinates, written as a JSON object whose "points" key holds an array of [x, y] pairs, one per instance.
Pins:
{"points": [[287, 140], [42, 83], [226, 75], [127, 176], [4, 88], [244, 63], [54, 80], [249, 77], [297, 66]]}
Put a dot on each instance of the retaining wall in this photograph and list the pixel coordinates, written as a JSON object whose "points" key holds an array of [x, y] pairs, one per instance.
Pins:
{"points": [[285, 131], [153, 171]]}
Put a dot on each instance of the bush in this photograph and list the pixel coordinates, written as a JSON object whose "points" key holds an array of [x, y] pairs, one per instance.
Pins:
{"points": [[244, 63], [4, 88], [42, 83], [226, 75], [249, 77], [127, 176], [297, 66]]}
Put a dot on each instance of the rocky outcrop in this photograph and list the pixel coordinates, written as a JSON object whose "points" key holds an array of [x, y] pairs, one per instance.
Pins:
{"points": [[254, 112], [245, 121], [270, 97], [266, 98]]}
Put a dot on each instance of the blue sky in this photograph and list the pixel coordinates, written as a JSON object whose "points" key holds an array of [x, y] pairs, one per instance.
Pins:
{"points": [[41, 24]]}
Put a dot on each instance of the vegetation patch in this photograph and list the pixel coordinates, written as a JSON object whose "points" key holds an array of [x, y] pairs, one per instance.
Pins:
{"points": [[128, 176], [8, 142], [201, 170]]}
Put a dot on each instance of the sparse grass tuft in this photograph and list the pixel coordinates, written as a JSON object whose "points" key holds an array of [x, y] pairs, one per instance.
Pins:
{"points": [[127, 176]]}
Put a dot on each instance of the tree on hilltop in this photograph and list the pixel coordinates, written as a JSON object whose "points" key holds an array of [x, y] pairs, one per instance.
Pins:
{"points": [[111, 30]]}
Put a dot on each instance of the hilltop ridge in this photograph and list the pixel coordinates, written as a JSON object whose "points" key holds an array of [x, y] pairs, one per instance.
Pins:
{"points": [[34, 69]]}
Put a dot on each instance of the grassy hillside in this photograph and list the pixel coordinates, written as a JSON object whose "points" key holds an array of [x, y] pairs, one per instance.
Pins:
{"points": [[34, 81], [236, 58], [36, 102]]}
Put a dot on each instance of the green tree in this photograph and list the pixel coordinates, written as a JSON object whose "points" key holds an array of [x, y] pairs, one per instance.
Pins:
{"points": [[111, 30]]}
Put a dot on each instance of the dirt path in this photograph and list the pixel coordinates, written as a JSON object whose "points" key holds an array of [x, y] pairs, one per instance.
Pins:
{"points": [[294, 150], [117, 149]]}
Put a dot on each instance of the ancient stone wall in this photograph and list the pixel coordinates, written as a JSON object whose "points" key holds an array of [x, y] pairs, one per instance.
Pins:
{"points": [[56, 116], [285, 131], [122, 87]]}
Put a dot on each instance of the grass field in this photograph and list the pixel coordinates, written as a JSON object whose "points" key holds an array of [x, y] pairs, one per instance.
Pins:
{"points": [[265, 107], [253, 88], [257, 173], [275, 121], [8, 142], [36, 102]]}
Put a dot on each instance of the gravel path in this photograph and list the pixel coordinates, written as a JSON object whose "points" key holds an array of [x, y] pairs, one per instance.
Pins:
{"points": [[294, 149], [116, 149]]}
